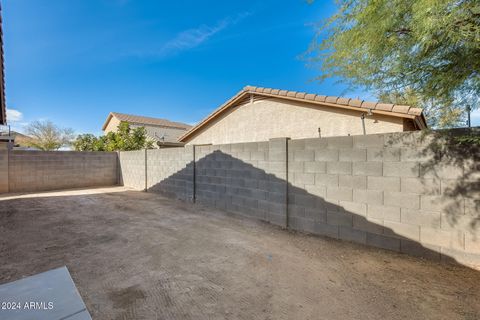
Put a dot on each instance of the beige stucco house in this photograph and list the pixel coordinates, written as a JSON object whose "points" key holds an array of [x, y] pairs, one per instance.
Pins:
{"points": [[164, 133], [259, 114]]}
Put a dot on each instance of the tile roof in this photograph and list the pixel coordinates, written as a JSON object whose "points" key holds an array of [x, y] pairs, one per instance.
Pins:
{"points": [[145, 120], [330, 101], [338, 100]]}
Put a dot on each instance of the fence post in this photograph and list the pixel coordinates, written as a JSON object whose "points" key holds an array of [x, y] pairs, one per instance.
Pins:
{"points": [[278, 159], [146, 172], [9, 151], [194, 173], [119, 169], [5, 171]]}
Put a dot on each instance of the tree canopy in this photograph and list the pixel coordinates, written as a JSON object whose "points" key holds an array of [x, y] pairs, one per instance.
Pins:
{"points": [[47, 136], [124, 139], [422, 52]]}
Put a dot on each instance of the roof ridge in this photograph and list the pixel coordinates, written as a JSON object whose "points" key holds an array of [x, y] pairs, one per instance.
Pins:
{"points": [[134, 115], [146, 120], [352, 102]]}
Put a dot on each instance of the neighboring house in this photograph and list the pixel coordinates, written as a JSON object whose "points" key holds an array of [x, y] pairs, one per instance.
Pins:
{"points": [[18, 141], [22, 141], [259, 114], [163, 132], [6, 138]]}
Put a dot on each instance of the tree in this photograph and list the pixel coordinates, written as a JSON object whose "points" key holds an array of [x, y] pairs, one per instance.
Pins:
{"points": [[124, 139], [429, 47], [438, 115], [47, 136], [88, 142]]}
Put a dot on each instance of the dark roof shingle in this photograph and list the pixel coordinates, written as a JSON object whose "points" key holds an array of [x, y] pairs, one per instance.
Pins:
{"points": [[130, 118]]}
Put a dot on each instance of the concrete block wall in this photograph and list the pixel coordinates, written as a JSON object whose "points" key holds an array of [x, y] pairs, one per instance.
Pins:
{"points": [[132, 169], [3, 171], [171, 172], [245, 178], [415, 193], [43, 170], [393, 191]]}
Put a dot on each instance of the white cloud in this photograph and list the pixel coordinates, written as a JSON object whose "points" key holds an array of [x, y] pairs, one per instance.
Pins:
{"points": [[14, 115], [194, 37]]}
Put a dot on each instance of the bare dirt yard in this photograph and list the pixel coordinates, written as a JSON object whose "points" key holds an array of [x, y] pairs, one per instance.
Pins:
{"points": [[136, 255]]}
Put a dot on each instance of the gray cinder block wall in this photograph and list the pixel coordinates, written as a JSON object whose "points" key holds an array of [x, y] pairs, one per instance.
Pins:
{"points": [[408, 192], [132, 169], [245, 178], [3, 171], [170, 171], [415, 193], [42, 170]]}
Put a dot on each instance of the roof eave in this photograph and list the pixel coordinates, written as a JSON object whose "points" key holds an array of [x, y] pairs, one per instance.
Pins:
{"points": [[218, 111], [109, 117], [421, 122]]}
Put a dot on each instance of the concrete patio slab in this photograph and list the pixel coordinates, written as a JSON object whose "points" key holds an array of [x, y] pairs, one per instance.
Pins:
{"points": [[50, 295]]}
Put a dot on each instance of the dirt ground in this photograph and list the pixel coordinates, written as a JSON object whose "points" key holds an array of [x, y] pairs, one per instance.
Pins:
{"points": [[136, 255]]}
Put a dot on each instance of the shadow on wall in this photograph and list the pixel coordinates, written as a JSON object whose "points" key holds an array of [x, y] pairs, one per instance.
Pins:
{"points": [[248, 187], [457, 151], [450, 176]]}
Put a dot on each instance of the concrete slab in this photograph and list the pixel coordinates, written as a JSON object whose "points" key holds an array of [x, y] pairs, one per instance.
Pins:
{"points": [[50, 295]]}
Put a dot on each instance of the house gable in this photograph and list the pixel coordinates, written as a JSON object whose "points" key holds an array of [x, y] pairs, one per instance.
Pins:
{"points": [[157, 130], [265, 119], [292, 114]]}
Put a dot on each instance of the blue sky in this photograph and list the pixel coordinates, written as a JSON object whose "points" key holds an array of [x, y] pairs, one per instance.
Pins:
{"points": [[74, 61]]}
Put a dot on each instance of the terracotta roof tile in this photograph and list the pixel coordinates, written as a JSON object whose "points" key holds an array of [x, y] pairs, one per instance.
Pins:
{"points": [[267, 90], [282, 93], [320, 98], [368, 105], [355, 103], [384, 106], [331, 99], [275, 91], [300, 95], [415, 111], [343, 101], [310, 96], [400, 109], [291, 93]]}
